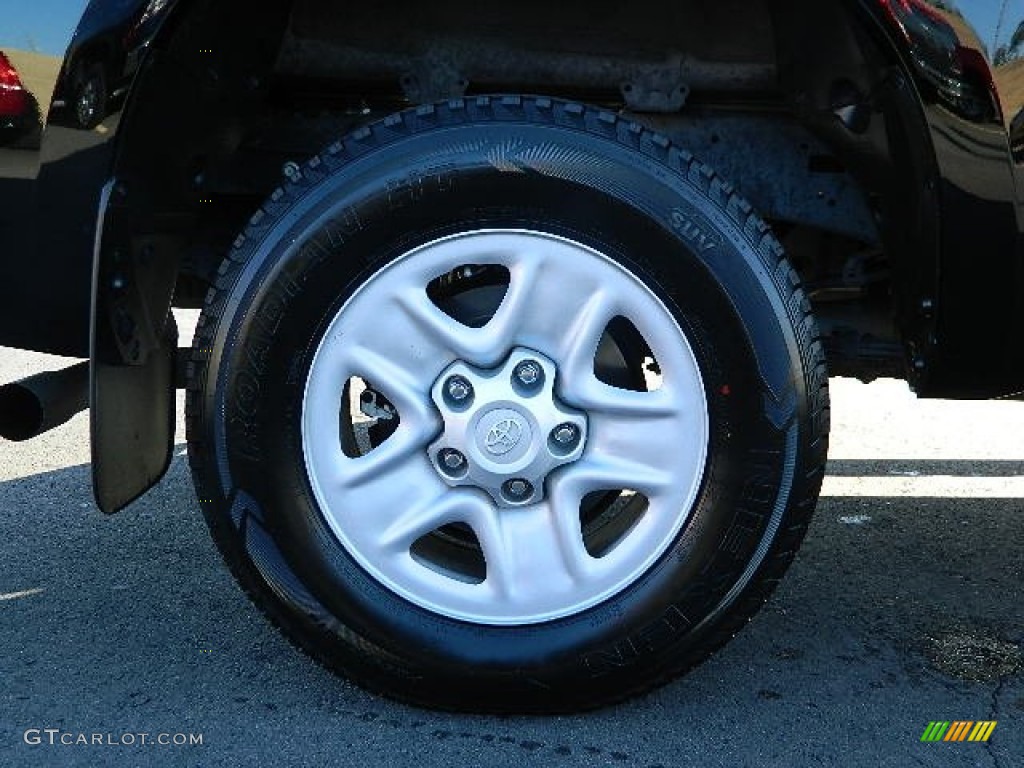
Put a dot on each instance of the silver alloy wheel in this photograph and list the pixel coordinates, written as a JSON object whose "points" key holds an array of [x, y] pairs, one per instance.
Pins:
{"points": [[559, 301]]}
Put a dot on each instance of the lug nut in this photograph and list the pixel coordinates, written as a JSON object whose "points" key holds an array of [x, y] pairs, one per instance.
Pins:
{"points": [[517, 489], [565, 434], [458, 389], [452, 459], [528, 373]]}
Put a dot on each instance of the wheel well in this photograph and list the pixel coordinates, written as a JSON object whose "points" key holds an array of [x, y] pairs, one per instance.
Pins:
{"points": [[799, 106], [88, 58]]}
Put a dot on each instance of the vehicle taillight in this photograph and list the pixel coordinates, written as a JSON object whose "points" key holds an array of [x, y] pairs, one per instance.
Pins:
{"points": [[13, 100]]}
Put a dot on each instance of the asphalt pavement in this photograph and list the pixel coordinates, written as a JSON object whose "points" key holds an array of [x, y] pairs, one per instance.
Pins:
{"points": [[904, 607]]}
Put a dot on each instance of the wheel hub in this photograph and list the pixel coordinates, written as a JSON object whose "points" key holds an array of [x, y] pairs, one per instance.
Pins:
{"points": [[505, 430]]}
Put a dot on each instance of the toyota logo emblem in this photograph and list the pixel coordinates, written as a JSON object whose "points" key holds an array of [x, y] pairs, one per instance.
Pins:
{"points": [[503, 436]]}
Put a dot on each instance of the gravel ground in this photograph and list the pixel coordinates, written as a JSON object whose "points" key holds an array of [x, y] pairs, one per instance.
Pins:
{"points": [[904, 606]]}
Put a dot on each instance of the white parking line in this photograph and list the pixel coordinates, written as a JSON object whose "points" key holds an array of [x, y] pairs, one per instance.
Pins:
{"points": [[24, 593]]}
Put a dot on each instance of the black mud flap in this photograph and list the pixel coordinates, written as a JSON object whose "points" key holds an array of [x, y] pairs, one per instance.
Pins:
{"points": [[132, 424], [133, 355]]}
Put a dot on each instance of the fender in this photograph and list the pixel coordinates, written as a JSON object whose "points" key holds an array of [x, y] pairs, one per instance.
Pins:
{"points": [[964, 61], [89, 257]]}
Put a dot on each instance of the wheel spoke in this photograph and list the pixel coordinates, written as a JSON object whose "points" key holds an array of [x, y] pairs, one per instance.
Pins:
{"points": [[411, 334], [533, 552], [432, 513], [596, 397], [383, 509], [556, 308], [392, 457], [521, 300], [641, 452], [403, 387], [437, 331], [580, 340], [603, 473]]}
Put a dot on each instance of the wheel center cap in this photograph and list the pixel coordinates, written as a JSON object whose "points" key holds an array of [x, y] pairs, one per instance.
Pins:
{"points": [[504, 434], [505, 430]]}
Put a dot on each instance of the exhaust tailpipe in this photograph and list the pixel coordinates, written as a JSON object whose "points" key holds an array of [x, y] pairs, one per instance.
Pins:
{"points": [[39, 403]]}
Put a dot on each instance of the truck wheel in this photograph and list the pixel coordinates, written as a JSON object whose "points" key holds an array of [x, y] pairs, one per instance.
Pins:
{"points": [[90, 97], [507, 404]]}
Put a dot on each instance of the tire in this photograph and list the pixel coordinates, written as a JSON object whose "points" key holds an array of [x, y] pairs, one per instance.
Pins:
{"points": [[495, 270], [90, 105]]}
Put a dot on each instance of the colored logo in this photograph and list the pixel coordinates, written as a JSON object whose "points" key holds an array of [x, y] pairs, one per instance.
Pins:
{"points": [[504, 436], [958, 730]]}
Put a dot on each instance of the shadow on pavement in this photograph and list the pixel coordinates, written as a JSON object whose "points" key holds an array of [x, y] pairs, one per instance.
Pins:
{"points": [[924, 468], [137, 627]]}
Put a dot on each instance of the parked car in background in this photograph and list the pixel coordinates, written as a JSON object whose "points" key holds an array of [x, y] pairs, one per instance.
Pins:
{"points": [[15, 102], [104, 56]]}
